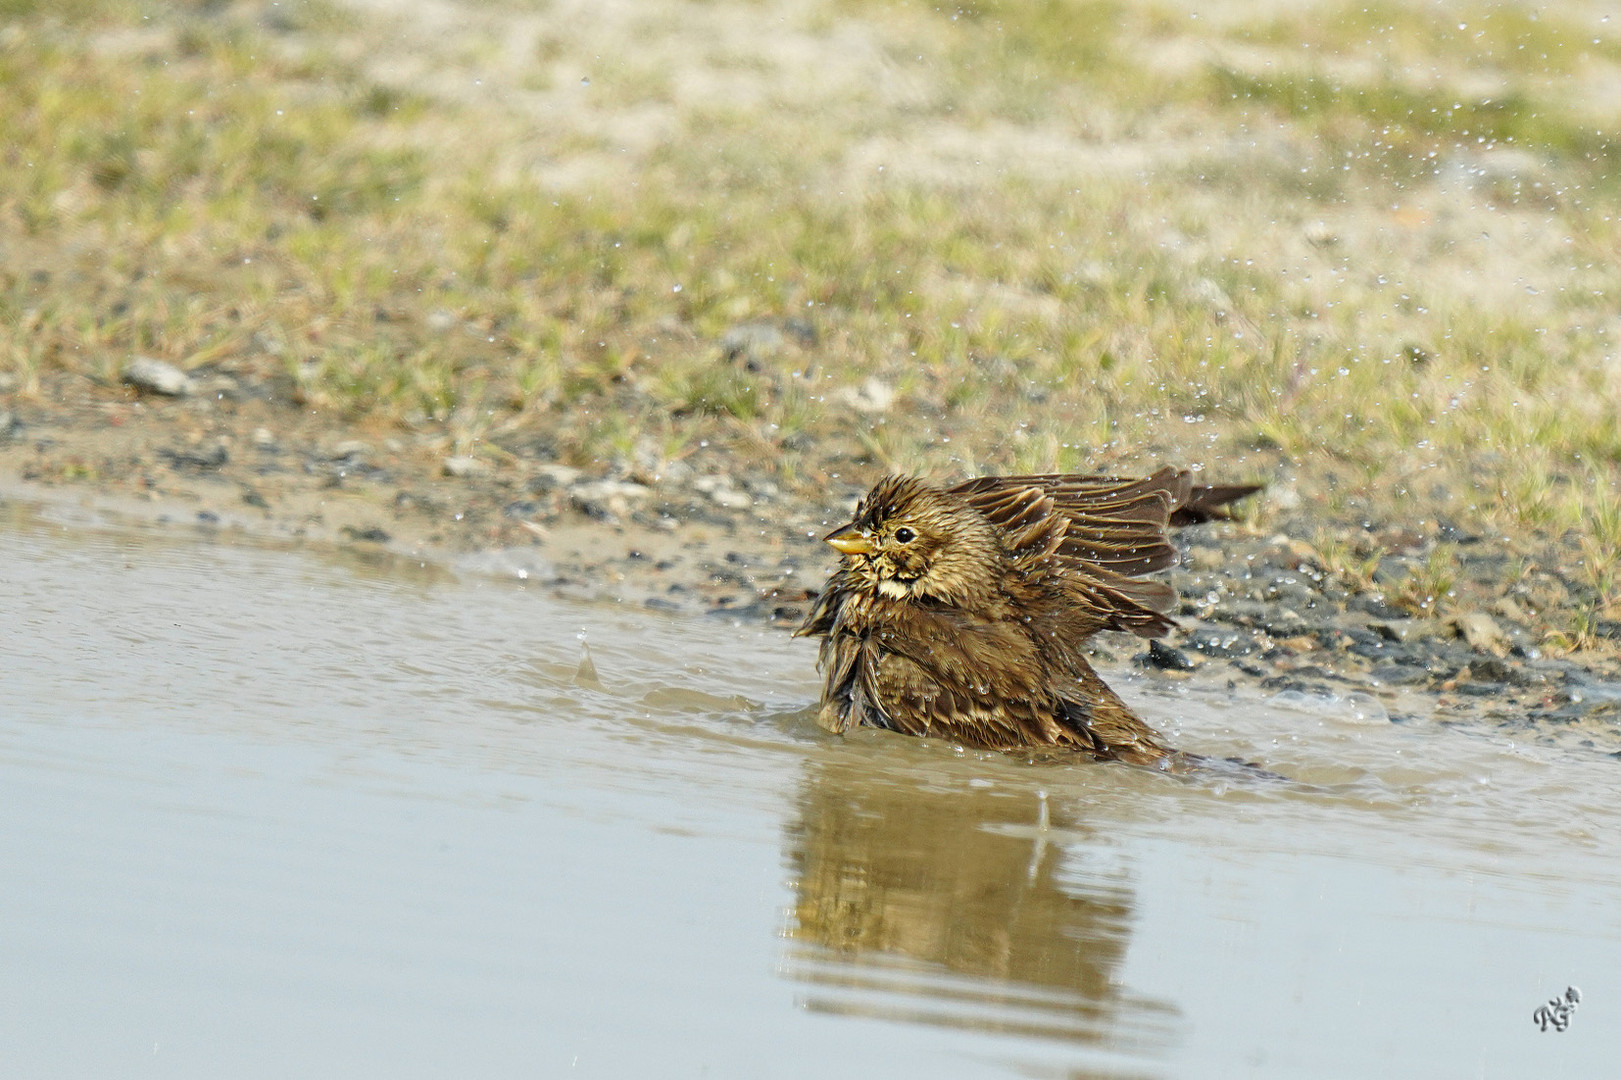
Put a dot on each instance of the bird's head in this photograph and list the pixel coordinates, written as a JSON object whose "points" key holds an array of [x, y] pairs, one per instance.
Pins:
{"points": [[913, 541]]}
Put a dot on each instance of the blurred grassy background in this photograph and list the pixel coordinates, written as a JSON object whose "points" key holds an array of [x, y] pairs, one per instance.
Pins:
{"points": [[1366, 250]]}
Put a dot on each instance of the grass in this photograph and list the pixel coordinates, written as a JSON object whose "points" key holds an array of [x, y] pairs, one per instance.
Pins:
{"points": [[230, 195]]}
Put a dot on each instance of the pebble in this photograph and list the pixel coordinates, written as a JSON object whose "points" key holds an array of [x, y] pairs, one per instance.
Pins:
{"points": [[157, 377], [609, 499], [210, 457], [1481, 631], [874, 397], [752, 342], [551, 476], [465, 466], [721, 492], [1396, 629], [1166, 658]]}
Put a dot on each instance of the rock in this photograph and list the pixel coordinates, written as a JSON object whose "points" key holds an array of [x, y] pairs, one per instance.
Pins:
{"points": [[264, 438], [1374, 604], [1507, 608], [731, 500], [465, 466], [8, 424], [1320, 234], [1396, 629], [210, 457], [1221, 643], [1291, 592], [1396, 673], [1481, 631], [608, 499], [874, 397], [1494, 669], [1283, 623], [552, 476], [721, 492], [803, 332], [752, 343], [157, 377], [1166, 658], [763, 490]]}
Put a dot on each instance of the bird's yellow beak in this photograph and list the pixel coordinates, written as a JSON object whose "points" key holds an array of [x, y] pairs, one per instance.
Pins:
{"points": [[850, 540]]}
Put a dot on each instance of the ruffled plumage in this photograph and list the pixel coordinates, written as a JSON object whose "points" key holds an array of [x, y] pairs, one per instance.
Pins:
{"points": [[961, 611]]}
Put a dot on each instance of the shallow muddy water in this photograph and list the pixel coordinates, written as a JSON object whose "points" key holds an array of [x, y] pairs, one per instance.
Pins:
{"points": [[278, 812]]}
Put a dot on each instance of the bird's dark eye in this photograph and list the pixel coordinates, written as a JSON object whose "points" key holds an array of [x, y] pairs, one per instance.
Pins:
{"points": [[903, 535]]}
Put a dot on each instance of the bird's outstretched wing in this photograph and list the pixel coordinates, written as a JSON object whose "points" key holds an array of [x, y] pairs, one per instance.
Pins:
{"points": [[1098, 534]]}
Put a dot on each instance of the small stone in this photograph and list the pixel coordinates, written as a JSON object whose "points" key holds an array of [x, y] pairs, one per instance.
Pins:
{"points": [[752, 342], [1374, 604], [731, 499], [1507, 608], [608, 499], [1481, 631], [1395, 629], [465, 466], [1320, 235], [156, 377], [223, 388], [1493, 669], [721, 492], [1284, 623], [763, 490], [874, 397], [552, 476], [1221, 642], [213, 456], [264, 438], [1166, 658]]}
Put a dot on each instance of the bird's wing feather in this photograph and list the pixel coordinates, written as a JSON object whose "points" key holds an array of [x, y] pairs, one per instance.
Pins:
{"points": [[1116, 524], [1091, 557], [1096, 714]]}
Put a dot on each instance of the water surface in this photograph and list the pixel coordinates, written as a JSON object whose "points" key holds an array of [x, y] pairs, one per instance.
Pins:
{"points": [[272, 812]]}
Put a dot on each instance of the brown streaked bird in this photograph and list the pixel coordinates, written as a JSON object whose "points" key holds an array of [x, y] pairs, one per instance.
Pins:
{"points": [[961, 611]]}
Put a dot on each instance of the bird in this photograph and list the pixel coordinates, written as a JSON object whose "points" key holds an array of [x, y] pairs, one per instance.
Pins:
{"points": [[960, 611]]}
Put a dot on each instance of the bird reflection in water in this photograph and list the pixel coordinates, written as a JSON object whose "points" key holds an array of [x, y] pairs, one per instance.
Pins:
{"points": [[941, 900]]}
